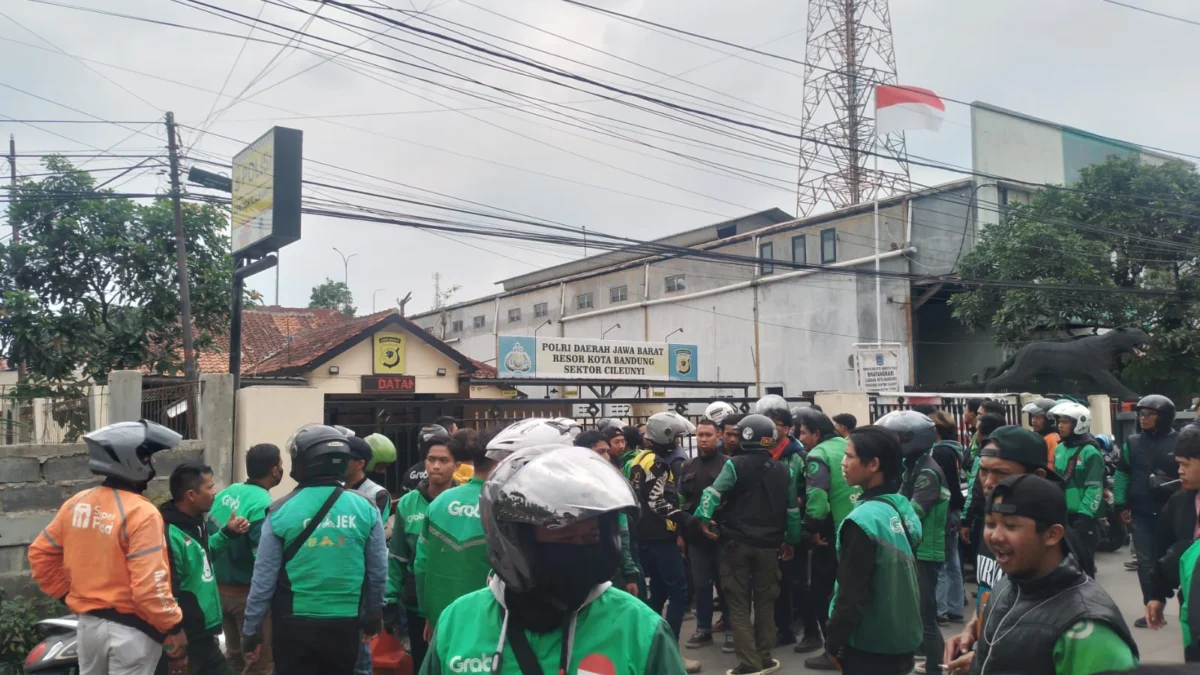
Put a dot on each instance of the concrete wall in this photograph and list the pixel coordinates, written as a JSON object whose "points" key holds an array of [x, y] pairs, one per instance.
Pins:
{"points": [[271, 415], [420, 360], [35, 480]]}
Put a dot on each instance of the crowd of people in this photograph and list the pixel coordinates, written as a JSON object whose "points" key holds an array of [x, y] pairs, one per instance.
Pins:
{"points": [[547, 547]]}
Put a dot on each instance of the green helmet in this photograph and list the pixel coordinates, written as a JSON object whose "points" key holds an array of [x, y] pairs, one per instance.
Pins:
{"points": [[383, 451]]}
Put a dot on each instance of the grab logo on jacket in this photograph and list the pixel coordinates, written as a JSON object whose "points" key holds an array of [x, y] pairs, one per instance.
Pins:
{"points": [[468, 664], [457, 508]]}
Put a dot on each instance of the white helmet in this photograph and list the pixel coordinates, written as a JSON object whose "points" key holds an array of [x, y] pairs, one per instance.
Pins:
{"points": [[719, 409], [771, 404], [1077, 412], [688, 427], [530, 432]]}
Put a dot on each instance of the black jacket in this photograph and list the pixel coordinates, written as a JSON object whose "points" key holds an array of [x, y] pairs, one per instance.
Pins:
{"points": [[949, 455], [1176, 527], [756, 508]]}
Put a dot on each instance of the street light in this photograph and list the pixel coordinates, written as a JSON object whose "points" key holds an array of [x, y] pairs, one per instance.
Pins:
{"points": [[535, 330], [677, 330], [609, 328], [373, 298], [345, 266]]}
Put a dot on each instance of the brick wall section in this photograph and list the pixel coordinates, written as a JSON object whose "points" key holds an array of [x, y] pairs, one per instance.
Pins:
{"points": [[35, 480]]}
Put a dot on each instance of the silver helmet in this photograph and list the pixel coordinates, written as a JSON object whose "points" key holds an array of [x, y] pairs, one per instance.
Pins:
{"points": [[664, 429], [548, 486], [530, 432], [717, 410], [916, 431], [772, 405], [123, 450]]}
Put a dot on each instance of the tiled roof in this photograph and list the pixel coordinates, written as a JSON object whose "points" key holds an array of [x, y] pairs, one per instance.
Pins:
{"points": [[307, 347], [264, 331], [483, 370]]}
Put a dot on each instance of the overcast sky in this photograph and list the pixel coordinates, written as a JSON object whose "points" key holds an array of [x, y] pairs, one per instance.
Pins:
{"points": [[1085, 63]]}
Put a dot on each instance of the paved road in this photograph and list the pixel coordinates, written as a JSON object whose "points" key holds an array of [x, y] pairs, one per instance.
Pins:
{"points": [[1163, 646]]}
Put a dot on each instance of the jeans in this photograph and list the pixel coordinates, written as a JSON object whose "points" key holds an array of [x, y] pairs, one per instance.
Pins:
{"points": [[750, 579], [803, 595], [933, 645], [857, 662], [823, 570], [362, 666], [417, 647], [325, 647], [783, 603], [706, 567], [1144, 526], [950, 598], [663, 563]]}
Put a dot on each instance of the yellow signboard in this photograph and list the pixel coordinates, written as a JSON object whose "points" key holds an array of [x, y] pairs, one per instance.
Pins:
{"points": [[389, 353], [253, 192]]}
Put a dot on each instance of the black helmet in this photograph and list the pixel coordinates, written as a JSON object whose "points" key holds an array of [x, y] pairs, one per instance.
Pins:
{"points": [[433, 434], [758, 432], [123, 450], [916, 431], [318, 451], [1160, 404], [549, 486]]}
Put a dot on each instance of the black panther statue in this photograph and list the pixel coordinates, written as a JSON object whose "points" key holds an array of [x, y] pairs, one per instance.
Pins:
{"points": [[1085, 360]]}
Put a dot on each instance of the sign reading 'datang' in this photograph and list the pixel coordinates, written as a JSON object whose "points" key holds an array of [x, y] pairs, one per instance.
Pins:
{"points": [[522, 356]]}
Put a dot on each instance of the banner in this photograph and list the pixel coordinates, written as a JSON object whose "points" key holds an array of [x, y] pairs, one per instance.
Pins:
{"points": [[566, 358], [878, 367]]}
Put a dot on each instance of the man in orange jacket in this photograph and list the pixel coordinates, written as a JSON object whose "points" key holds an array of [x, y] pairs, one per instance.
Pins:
{"points": [[104, 554]]}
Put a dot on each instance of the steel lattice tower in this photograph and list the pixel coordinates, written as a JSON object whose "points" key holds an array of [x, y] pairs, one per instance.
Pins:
{"points": [[848, 52]]}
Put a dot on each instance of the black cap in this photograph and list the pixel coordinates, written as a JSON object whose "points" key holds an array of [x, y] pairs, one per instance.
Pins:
{"points": [[1016, 444], [359, 448], [1030, 496]]}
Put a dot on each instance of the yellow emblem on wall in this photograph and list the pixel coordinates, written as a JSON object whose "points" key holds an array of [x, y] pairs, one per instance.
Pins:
{"points": [[389, 353]]}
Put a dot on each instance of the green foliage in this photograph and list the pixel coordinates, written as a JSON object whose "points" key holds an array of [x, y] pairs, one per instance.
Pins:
{"points": [[18, 626], [1138, 219], [332, 294], [92, 287]]}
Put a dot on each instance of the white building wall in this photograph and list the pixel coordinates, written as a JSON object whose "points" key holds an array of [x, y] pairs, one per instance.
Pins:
{"points": [[1014, 147]]}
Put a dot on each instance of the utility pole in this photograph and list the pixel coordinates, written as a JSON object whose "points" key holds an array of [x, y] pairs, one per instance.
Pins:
{"points": [[16, 228], [185, 304]]}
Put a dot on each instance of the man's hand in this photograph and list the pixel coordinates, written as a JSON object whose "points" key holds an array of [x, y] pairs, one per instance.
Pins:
{"points": [[1154, 614], [371, 624], [1126, 516], [252, 646], [819, 540], [786, 552], [964, 533], [176, 648], [961, 665], [682, 546], [428, 635], [958, 645], [631, 588], [710, 530], [236, 524]]}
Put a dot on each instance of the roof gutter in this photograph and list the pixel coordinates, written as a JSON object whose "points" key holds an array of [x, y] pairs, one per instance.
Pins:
{"points": [[760, 281]]}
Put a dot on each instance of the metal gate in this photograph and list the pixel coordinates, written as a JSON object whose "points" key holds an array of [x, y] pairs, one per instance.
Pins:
{"points": [[955, 404]]}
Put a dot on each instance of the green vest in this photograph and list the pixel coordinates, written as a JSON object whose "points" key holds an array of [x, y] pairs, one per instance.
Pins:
{"points": [[452, 554], [888, 625], [325, 579], [198, 595], [615, 634], [842, 495], [1079, 483], [933, 523], [1187, 566], [236, 564], [402, 549]]}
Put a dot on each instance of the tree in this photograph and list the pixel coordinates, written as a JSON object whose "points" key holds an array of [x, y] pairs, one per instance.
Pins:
{"points": [[331, 294], [1124, 225], [92, 286]]}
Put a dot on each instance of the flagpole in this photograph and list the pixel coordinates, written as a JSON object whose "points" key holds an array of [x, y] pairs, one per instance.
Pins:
{"points": [[878, 293]]}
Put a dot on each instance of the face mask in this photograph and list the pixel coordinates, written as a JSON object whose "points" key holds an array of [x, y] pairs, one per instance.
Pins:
{"points": [[568, 572]]}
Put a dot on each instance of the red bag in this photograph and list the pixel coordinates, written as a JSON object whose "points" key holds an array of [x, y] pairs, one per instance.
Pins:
{"points": [[388, 656]]}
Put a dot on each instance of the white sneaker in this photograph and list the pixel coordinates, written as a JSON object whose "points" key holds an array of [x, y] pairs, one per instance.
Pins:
{"points": [[691, 665], [919, 668], [771, 666]]}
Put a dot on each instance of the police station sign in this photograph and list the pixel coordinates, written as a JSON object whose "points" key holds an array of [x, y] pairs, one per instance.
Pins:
{"points": [[522, 356], [878, 366]]}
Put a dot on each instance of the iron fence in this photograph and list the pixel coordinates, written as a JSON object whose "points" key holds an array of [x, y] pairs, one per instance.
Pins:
{"points": [[955, 404], [174, 404], [54, 419]]}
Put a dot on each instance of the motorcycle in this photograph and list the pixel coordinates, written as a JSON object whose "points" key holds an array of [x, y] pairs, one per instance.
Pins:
{"points": [[57, 653]]}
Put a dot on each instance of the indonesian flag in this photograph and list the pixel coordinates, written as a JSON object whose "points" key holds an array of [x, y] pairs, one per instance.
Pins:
{"points": [[900, 108]]}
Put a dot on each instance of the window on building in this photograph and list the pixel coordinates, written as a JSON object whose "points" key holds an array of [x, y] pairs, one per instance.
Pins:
{"points": [[766, 251], [456, 326], [479, 321], [514, 315], [675, 283], [540, 310], [727, 231], [778, 391], [618, 294], [799, 249], [828, 246], [583, 301]]}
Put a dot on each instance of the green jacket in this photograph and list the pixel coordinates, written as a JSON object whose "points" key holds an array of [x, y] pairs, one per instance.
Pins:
{"points": [[452, 554], [925, 488], [614, 634], [1084, 476], [888, 624], [191, 548], [1189, 612], [829, 495], [236, 565], [402, 549]]}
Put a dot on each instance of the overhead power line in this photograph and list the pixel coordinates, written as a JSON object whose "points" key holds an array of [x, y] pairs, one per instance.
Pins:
{"points": [[1151, 11]]}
